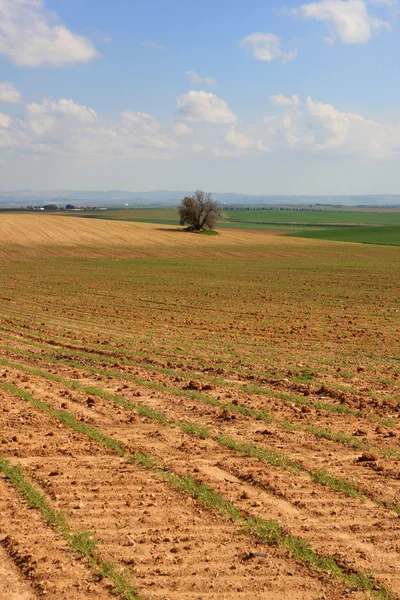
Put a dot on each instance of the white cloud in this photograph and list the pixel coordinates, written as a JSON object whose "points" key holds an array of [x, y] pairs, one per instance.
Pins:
{"points": [[181, 129], [64, 107], [153, 45], [267, 47], [348, 20], [140, 120], [281, 100], [204, 107], [54, 124], [317, 126], [145, 131], [59, 130], [65, 128], [261, 147], [333, 126], [6, 140], [244, 141], [237, 140], [54, 127], [32, 37], [197, 80], [5, 121], [9, 93]]}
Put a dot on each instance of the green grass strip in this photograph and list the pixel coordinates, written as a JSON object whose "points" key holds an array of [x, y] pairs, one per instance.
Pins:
{"points": [[82, 543], [268, 531], [340, 437], [193, 429], [262, 415], [270, 456], [351, 440], [33, 498], [301, 401], [337, 483]]}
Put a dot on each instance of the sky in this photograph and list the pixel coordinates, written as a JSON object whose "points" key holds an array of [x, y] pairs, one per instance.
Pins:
{"points": [[246, 96]]}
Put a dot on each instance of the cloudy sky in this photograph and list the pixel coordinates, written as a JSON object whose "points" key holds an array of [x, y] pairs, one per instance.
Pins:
{"points": [[255, 96]]}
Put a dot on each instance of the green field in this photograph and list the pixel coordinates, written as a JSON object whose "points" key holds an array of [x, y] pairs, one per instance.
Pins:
{"points": [[389, 235], [316, 217]]}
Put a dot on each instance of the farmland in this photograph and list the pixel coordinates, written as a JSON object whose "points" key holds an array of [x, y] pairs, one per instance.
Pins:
{"points": [[369, 226], [313, 216], [271, 216], [189, 417], [386, 235]]}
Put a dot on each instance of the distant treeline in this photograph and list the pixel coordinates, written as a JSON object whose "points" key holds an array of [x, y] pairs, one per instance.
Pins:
{"points": [[299, 208], [312, 208]]}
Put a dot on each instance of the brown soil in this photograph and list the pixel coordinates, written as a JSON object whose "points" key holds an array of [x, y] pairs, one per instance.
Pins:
{"points": [[13, 584], [37, 562], [32, 237], [199, 343], [172, 547]]}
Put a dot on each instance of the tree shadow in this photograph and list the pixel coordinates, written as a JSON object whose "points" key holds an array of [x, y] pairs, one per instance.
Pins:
{"points": [[175, 230]]}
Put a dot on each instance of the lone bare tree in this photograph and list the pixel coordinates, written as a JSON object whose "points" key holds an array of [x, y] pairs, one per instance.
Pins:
{"points": [[199, 211]]}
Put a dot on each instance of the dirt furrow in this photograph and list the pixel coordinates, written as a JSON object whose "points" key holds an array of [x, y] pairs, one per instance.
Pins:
{"points": [[281, 400], [324, 515], [363, 432], [373, 473], [360, 381], [171, 545], [13, 585], [311, 453], [43, 561]]}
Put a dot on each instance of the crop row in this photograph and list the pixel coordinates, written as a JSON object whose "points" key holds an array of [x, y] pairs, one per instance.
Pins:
{"points": [[114, 358], [264, 454], [390, 453], [267, 531]]}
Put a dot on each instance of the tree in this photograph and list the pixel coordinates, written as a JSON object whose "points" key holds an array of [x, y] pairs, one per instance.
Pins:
{"points": [[199, 211]]}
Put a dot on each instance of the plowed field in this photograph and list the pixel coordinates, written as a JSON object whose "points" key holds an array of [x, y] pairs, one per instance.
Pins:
{"points": [[193, 417]]}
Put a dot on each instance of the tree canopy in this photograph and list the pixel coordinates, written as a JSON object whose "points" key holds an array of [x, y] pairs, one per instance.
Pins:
{"points": [[199, 211]]}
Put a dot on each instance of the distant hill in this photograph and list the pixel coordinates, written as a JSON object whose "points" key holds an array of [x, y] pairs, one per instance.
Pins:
{"points": [[21, 198]]}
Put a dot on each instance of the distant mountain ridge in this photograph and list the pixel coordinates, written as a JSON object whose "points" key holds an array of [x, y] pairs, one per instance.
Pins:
{"points": [[172, 197]]}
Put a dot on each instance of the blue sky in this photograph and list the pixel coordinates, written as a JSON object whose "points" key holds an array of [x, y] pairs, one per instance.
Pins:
{"points": [[225, 95]]}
